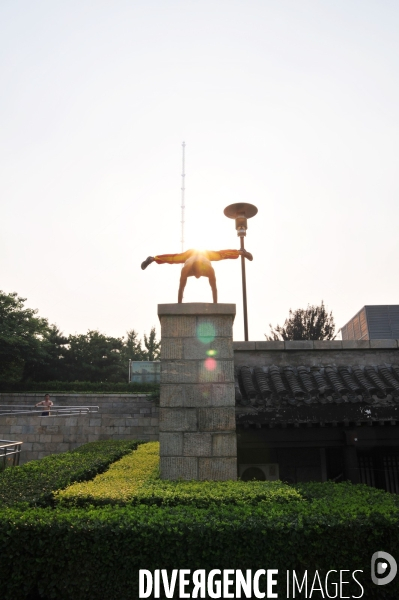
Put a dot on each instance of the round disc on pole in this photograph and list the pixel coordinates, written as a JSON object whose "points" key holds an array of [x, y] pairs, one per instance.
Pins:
{"points": [[240, 209]]}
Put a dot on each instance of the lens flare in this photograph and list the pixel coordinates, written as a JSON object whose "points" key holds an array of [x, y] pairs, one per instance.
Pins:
{"points": [[210, 364], [211, 352], [206, 333]]}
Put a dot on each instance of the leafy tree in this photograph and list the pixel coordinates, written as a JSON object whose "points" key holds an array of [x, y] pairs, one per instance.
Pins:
{"points": [[32, 350], [94, 357], [153, 346], [21, 337], [53, 351], [311, 323], [132, 347]]}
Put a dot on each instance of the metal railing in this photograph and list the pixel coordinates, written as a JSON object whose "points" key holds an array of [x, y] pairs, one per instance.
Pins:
{"points": [[9, 453], [53, 411]]}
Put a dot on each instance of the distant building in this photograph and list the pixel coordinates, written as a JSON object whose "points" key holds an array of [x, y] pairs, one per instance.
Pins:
{"points": [[378, 322]]}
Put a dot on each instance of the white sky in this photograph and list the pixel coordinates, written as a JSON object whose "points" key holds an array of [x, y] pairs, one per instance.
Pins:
{"points": [[291, 105]]}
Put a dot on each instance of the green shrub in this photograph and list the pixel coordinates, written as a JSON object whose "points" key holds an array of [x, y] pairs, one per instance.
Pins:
{"points": [[134, 480], [66, 551], [35, 482], [96, 553], [119, 484]]}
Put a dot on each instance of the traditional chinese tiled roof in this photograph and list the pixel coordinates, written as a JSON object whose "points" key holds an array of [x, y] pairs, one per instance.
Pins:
{"points": [[317, 394], [296, 386]]}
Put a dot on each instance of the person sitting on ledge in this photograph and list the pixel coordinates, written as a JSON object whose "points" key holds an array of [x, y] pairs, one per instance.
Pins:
{"points": [[197, 263]]}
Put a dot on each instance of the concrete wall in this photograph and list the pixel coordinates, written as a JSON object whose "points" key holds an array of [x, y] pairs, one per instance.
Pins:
{"points": [[120, 417]]}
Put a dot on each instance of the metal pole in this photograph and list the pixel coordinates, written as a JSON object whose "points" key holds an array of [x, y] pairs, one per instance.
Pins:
{"points": [[244, 290], [241, 211]]}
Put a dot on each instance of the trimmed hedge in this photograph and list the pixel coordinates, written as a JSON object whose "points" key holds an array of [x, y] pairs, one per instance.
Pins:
{"points": [[35, 481], [66, 552], [96, 553], [134, 480], [79, 386], [119, 484]]}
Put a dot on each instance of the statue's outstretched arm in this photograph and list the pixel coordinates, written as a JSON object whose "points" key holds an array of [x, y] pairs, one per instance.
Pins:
{"points": [[224, 254]]}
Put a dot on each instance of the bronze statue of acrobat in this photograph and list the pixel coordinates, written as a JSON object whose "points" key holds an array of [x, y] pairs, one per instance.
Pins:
{"points": [[196, 263]]}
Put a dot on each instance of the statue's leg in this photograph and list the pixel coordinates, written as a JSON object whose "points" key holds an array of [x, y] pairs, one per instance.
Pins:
{"points": [[147, 262], [173, 259], [212, 283], [183, 281]]}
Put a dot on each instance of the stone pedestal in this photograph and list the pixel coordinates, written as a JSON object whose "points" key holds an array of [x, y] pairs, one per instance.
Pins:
{"points": [[197, 430]]}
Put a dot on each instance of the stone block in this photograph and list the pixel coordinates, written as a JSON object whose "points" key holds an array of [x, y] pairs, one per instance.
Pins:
{"points": [[177, 326], [196, 395], [383, 344], [171, 444], [175, 467], [327, 345], [71, 421], [119, 422], [96, 422], [64, 447], [27, 447], [215, 371], [217, 419], [197, 308], [42, 454], [57, 437], [244, 346], [223, 394], [270, 345], [16, 429], [298, 345], [28, 456], [110, 429], [222, 326], [179, 372], [176, 419], [355, 344], [224, 444], [197, 444], [172, 348], [44, 438], [217, 469], [219, 348], [51, 447]]}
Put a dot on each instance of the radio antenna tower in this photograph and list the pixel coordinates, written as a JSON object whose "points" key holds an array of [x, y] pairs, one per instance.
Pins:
{"points": [[183, 206]]}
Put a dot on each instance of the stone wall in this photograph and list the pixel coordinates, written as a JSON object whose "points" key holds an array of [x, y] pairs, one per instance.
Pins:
{"points": [[120, 417], [133, 416], [318, 353]]}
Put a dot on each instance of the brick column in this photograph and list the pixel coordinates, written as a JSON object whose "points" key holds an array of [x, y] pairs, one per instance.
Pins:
{"points": [[197, 429]]}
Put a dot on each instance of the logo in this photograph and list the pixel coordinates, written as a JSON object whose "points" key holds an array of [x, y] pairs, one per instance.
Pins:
{"points": [[384, 564]]}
